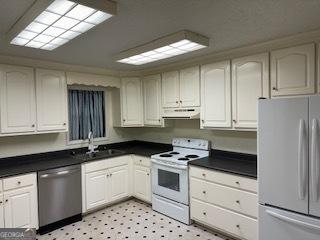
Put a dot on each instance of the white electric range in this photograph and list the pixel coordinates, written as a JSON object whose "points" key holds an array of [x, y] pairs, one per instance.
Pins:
{"points": [[170, 178]]}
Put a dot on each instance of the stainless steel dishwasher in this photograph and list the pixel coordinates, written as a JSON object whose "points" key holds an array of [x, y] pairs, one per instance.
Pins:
{"points": [[60, 198]]}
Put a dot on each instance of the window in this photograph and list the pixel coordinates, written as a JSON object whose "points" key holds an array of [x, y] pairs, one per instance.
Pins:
{"points": [[86, 113]]}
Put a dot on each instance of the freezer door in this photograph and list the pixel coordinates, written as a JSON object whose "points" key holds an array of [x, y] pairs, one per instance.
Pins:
{"points": [[283, 225], [314, 156], [283, 153]]}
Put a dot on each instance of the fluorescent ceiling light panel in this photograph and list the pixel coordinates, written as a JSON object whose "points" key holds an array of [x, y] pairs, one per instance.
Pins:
{"points": [[169, 46], [59, 21]]}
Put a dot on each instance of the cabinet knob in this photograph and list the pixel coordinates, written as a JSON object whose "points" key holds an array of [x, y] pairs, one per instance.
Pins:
{"points": [[238, 201], [123, 120], [1, 202], [274, 89], [159, 120], [202, 121], [238, 226], [204, 213], [110, 174], [7, 200], [33, 125], [203, 174], [180, 101], [18, 182], [148, 174], [204, 192], [177, 101], [64, 124], [235, 121], [107, 175], [238, 183]]}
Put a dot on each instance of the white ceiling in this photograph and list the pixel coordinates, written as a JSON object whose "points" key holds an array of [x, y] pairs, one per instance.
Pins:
{"points": [[228, 24]]}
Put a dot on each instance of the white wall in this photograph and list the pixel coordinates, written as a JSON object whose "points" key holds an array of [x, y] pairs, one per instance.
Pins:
{"points": [[236, 141]]}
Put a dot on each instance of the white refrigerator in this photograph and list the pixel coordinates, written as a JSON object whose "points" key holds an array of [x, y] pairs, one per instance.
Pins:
{"points": [[289, 168]]}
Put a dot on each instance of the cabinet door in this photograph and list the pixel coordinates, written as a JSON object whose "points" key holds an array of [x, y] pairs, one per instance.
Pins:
{"points": [[250, 81], [293, 71], [142, 183], [152, 100], [21, 208], [118, 183], [1, 212], [51, 92], [17, 99], [170, 89], [216, 95], [96, 189], [131, 101], [190, 87]]}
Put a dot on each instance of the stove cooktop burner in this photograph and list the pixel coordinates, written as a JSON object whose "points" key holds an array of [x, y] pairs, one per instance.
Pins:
{"points": [[174, 153], [183, 159], [191, 156], [165, 155]]}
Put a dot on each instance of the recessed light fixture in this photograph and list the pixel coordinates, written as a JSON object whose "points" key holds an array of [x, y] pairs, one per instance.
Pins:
{"points": [[166, 47], [49, 24]]}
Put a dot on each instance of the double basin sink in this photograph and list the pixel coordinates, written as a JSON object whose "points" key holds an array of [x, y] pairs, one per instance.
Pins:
{"points": [[107, 153]]}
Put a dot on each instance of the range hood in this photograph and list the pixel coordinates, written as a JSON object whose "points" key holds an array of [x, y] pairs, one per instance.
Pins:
{"points": [[181, 113]]}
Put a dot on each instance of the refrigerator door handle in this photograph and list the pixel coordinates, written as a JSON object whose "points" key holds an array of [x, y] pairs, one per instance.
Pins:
{"points": [[293, 221], [314, 160], [302, 158]]}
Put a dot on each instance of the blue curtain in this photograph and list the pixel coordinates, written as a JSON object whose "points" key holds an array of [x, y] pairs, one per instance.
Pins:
{"points": [[86, 113]]}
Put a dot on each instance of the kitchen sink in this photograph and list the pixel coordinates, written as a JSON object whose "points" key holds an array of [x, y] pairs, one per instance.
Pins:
{"points": [[98, 155]]}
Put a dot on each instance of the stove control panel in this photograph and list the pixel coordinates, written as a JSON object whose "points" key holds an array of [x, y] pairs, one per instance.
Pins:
{"points": [[191, 143]]}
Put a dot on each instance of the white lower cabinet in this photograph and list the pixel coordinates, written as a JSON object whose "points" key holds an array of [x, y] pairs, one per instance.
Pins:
{"points": [[218, 203], [19, 202], [96, 189], [118, 183], [142, 183], [106, 181]]}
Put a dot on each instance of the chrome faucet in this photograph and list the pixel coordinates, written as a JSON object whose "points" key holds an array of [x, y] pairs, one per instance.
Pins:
{"points": [[91, 147]]}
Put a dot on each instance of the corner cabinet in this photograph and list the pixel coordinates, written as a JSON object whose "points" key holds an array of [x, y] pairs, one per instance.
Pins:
{"points": [[17, 100], [51, 92], [152, 100], [250, 81], [216, 95], [131, 102], [293, 71]]}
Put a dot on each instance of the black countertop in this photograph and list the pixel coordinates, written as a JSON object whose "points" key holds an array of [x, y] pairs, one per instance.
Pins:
{"points": [[44, 161], [230, 162]]}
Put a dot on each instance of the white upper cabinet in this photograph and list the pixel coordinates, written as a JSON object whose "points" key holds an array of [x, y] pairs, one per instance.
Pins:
{"points": [[216, 95], [170, 89], [250, 81], [152, 100], [190, 87], [17, 99], [293, 71], [131, 102], [51, 92]]}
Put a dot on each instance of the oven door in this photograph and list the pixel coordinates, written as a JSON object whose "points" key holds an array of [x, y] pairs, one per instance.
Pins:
{"points": [[170, 181]]}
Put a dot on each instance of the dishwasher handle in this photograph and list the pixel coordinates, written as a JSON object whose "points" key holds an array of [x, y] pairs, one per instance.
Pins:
{"points": [[59, 173]]}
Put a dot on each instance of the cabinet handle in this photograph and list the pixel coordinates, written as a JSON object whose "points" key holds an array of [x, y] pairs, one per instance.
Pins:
{"points": [[7, 200], [204, 192], [238, 201], [159, 120], [204, 213], [202, 121], [107, 175], [235, 121], [140, 160], [33, 125], [203, 174], [180, 101], [238, 226], [123, 120], [237, 183], [1, 202], [148, 174], [64, 124], [177, 101], [274, 89], [18, 182], [110, 174]]}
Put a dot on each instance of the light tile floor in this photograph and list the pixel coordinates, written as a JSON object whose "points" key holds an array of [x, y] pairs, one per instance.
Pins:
{"points": [[130, 220]]}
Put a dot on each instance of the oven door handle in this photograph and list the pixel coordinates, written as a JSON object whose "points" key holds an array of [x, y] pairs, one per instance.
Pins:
{"points": [[182, 167]]}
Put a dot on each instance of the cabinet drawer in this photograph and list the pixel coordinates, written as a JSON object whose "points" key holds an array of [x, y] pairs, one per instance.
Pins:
{"points": [[143, 161], [230, 180], [198, 210], [107, 163], [19, 181], [230, 198], [236, 224]]}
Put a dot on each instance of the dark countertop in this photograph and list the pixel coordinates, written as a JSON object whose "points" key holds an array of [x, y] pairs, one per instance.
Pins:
{"points": [[230, 162], [38, 162]]}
